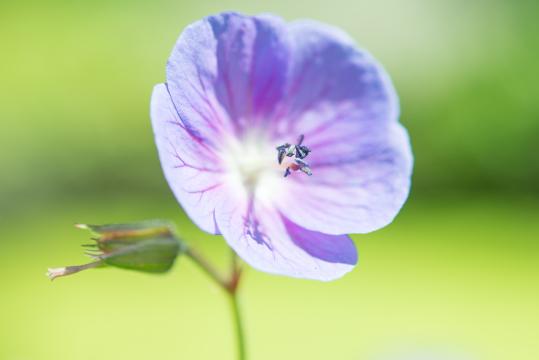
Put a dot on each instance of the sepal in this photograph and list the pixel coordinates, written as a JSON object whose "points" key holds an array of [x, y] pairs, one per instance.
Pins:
{"points": [[148, 246]]}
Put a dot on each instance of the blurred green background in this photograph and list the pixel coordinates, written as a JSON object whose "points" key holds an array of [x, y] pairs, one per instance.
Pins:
{"points": [[454, 277]]}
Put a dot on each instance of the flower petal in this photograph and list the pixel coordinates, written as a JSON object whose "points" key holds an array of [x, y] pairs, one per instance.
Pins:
{"points": [[330, 248], [346, 106], [190, 166], [359, 193], [272, 243], [227, 71], [331, 81]]}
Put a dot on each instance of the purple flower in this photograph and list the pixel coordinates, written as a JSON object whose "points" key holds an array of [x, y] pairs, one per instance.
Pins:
{"points": [[251, 108]]}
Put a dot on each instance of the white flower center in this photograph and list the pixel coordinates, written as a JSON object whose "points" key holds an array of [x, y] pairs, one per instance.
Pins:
{"points": [[251, 165]]}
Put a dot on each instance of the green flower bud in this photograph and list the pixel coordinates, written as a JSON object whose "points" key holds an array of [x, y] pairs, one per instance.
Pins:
{"points": [[148, 246]]}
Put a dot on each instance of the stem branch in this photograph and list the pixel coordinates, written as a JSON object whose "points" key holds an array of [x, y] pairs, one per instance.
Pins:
{"points": [[207, 268]]}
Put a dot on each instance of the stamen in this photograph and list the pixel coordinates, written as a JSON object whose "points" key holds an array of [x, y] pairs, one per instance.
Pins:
{"points": [[281, 152], [304, 167], [298, 152]]}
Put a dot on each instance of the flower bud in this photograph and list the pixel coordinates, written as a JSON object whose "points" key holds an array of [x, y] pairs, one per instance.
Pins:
{"points": [[148, 246]]}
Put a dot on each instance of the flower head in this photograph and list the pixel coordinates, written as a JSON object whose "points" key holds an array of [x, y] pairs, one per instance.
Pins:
{"points": [[282, 137]]}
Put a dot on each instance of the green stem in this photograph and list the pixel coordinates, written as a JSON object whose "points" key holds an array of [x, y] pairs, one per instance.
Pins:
{"points": [[236, 312], [207, 268], [231, 287]]}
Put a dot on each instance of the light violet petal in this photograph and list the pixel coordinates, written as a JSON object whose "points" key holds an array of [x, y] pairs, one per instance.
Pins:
{"points": [[227, 71], [345, 105], [190, 166], [358, 192], [330, 248], [331, 83], [271, 243]]}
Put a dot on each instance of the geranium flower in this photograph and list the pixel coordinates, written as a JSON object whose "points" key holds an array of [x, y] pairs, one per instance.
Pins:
{"points": [[250, 99]]}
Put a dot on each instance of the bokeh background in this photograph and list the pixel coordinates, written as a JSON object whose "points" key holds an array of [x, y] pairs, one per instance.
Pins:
{"points": [[455, 277]]}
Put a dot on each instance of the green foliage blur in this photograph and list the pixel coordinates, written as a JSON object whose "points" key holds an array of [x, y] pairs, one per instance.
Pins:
{"points": [[454, 276]]}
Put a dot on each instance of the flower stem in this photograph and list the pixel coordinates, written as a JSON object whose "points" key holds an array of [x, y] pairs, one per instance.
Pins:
{"points": [[231, 287], [236, 312]]}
